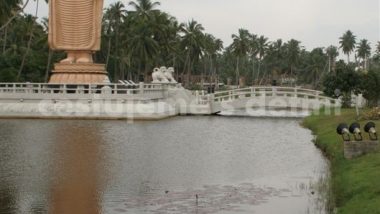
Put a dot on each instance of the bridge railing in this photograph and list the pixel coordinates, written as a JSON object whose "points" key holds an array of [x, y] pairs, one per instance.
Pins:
{"points": [[272, 92]]}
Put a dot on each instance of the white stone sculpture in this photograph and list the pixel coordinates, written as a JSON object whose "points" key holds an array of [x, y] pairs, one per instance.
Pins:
{"points": [[158, 76], [169, 75], [163, 75], [163, 70]]}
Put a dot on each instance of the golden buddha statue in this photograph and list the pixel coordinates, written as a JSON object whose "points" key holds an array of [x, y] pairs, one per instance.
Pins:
{"points": [[75, 27]]}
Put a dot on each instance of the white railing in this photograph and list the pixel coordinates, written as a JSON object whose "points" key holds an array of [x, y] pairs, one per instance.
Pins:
{"points": [[41, 88], [252, 92]]}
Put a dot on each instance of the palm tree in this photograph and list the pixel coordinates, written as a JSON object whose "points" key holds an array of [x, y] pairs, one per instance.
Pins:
{"points": [[144, 8], [253, 51], [9, 11], [347, 43], [278, 47], [31, 26], [165, 31], [364, 51], [212, 47], [115, 15], [143, 46], [317, 64], [332, 53], [7, 8], [293, 53], [240, 48], [193, 44], [262, 45]]}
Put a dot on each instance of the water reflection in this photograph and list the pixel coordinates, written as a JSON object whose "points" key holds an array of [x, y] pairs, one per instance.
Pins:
{"points": [[77, 186], [233, 164]]}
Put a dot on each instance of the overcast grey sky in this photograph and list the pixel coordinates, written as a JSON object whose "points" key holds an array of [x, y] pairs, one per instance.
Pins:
{"points": [[316, 23]]}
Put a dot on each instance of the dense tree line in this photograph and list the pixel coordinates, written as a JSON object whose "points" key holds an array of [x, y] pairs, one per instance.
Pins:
{"points": [[139, 36]]}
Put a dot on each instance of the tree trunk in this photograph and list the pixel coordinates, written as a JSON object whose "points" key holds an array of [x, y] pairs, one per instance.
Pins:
{"points": [[188, 67], [291, 75], [146, 73], [108, 51], [15, 15], [330, 59], [5, 39], [139, 72], [334, 65], [117, 55], [262, 78], [258, 71], [237, 71], [25, 55], [253, 71], [48, 65], [29, 43], [188, 73]]}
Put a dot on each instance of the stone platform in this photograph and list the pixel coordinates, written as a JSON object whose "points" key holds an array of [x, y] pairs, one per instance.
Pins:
{"points": [[354, 149], [79, 73]]}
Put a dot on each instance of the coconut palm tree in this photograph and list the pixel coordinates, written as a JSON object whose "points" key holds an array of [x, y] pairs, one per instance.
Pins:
{"points": [[253, 51], [262, 45], [240, 47], [114, 16], [10, 9], [144, 9], [32, 27], [317, 63], [364, 51], [212, 48], [347, 43], [293, 51], [144, 25], [7, 9], [142, 45], [332, 53], [192, 43]]}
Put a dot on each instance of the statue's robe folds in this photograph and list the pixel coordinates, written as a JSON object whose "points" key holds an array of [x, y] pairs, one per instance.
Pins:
{"points": [[75, 25]]}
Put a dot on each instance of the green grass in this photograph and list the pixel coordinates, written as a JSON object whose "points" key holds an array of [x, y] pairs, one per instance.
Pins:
{"points": [[355, 183]]}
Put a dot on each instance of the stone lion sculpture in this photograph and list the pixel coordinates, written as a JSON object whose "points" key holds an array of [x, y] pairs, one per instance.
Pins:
{"points": [[163, 75], [163, 71], [169, 75], [158, 76]]}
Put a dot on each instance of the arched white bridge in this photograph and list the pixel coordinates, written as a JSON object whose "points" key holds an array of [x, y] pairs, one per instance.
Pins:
{"points": [[267, 97]]}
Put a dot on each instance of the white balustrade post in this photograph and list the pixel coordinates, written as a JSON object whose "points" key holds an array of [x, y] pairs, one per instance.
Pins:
{"points": [[197, 96], [263, 92], [115, 88], [252, 91], [141, 87], [274, 91]]}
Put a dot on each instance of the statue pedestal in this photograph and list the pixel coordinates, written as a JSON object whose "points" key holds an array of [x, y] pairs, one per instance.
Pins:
{"points": [[79, 73]]}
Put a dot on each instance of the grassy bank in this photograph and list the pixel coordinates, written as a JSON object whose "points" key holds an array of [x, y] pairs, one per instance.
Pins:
{"points": [[355, 183]]}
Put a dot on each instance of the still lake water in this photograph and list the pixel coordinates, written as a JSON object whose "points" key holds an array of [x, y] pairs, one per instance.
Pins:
{"points": [[178, 165]]}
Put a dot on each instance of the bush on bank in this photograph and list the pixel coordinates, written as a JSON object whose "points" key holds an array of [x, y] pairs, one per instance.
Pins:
{"points": [[355, 183]]}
